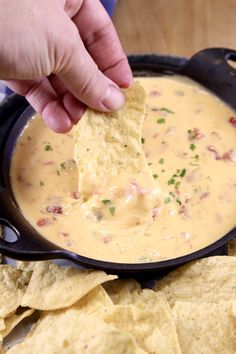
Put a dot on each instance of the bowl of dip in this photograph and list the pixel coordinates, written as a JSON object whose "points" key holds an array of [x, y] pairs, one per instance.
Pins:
{"points": [[189, 140]]}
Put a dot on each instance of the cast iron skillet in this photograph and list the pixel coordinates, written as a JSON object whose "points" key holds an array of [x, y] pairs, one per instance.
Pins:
{"points": [[208, 67]]}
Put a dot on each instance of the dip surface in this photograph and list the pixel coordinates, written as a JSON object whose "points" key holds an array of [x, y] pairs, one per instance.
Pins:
{"points": [[189, 139]]}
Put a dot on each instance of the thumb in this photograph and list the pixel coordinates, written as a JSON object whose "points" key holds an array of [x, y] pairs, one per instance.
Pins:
{"points": [[86, 82]]}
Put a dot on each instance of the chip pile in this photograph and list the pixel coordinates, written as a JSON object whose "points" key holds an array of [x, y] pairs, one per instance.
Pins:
{"points": [[191, 310]]}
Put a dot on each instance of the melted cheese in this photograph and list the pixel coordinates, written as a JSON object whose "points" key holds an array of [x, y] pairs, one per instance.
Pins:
{"points": [[189, 139]]}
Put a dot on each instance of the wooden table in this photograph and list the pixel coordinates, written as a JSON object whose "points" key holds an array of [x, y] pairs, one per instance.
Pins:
{"points": [[177, 27]]}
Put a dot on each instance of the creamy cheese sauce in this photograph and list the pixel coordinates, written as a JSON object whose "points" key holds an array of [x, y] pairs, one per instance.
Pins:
{"points": [[189, 139]]}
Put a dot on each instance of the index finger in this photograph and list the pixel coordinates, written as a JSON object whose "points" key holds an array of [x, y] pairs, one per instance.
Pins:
{"points": [[102, 42]]}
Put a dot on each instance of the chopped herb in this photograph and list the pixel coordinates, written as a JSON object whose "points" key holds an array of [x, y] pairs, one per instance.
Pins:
{"points": [[196, 158], [87, 149], [177, 184], [161, 161], [163, 142], [163, 170], [41, 183], [166, 110], [142, 140], [63, 165], [177, 174], [58, 172], [161, 121], [85, 200], [167, 200], [192, 147], [106, 201], [171, 181], [190, 134], [149, 163], [178, 201], [183, 172], [112, 210], [155, 176], [48, 147]]}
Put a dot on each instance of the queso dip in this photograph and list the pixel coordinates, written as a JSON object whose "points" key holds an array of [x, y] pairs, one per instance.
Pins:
{"points": [[189, 140]]}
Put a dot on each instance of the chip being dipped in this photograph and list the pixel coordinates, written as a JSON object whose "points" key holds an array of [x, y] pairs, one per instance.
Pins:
{"points": [[115, 181]]}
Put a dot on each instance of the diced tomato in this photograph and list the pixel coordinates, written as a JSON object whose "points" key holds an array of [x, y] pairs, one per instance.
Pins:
{"points": [[76, 195], [54, 209], [155, 213], [230, 156], [43, 222], [196, 134], [232, 121], [183, 210], [214, 151], [204, 195]]}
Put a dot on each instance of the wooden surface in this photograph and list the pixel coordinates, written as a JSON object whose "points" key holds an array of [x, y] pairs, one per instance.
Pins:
{"points": [[177, 27]]}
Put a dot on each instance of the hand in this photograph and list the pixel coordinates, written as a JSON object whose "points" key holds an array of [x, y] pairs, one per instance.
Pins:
{"points": [[62, 55]]}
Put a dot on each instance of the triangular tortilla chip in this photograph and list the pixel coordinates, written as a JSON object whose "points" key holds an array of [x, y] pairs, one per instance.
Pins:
{"points": [[13, 284], [12, 321], [52, 287], [118, 190], [149, 322], [66, 332], [210, 279], [206, 327]]}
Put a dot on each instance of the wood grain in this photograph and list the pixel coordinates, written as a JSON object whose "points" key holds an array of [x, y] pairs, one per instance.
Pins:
{"points": [[176, 27]]}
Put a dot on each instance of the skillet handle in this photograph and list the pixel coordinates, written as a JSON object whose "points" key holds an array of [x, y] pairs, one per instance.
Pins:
{"points": [[209, 67], [25, 242]]}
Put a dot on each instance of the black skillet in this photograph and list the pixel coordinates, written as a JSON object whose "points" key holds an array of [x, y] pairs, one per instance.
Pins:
{"points": [[208, 67]]}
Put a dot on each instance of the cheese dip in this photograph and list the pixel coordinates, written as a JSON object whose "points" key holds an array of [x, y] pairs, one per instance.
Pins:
{"points": [[189, 140]]}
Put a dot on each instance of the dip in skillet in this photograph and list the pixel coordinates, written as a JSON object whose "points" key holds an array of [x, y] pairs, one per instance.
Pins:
{"points": [[189, 140]]}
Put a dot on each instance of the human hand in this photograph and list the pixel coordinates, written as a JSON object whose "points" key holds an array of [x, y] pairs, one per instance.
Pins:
{"points": [[62, 55]]}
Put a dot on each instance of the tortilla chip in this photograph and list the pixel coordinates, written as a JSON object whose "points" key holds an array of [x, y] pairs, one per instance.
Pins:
{"points": [[26, 266], [115, 181], [12, 321], [117, 134], [151, 326], [210, 279], [52, 287], [123, 291], [13, 284], [96, 303], [206, 327], [65, 332]]}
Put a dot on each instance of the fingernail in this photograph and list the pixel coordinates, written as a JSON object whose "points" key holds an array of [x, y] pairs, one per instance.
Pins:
{"points": [[127, 79], [114, 99]]}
